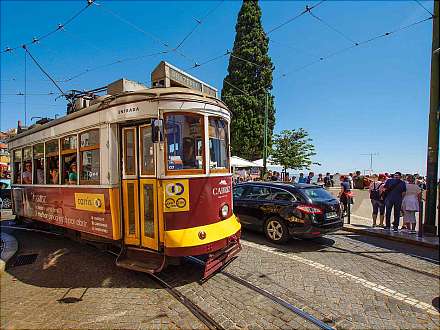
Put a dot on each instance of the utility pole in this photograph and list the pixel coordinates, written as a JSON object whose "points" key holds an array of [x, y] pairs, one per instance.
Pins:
{"points": [[25, 90], [433, 132], [371, 154], [265, 133]]}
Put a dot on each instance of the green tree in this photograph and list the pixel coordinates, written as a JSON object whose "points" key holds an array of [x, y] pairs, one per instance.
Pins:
{"points": [[293, 149], [250, 71]]}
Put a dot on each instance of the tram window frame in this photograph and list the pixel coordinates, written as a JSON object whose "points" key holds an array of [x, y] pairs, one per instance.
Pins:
{"points": [[26, 158], [49, 156], [222, 169], [184, 171], [89, 148], [133, 171], [37, 156], [145, 170], [17, 179], [69, 153]]}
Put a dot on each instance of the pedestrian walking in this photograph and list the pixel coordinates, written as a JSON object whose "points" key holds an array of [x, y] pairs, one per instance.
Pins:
{"points": [[320, 180], [375, 189], [394, 189], [350, 180], [345, 194], [327, 180], [410, 204], [301, 178]]}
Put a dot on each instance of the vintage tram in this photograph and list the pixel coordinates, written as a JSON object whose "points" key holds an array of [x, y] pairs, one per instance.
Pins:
{"points": [[146, 169]]}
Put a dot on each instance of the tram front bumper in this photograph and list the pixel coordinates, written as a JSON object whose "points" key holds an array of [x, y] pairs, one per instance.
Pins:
{"points": [[202, 240]]}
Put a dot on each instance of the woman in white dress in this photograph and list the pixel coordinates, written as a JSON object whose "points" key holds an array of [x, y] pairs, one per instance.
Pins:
{"points": [[410, 203]]}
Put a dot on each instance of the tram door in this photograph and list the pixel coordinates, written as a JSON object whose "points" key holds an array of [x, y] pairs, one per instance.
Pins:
{"points": [[139, 188]]}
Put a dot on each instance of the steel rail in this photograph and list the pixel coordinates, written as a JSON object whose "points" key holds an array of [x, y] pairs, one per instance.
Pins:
{"points": [[272, 297], [194, 309]]}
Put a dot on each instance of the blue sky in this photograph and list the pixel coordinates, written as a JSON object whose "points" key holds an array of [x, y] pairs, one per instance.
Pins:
{"points": [[373, 98]]}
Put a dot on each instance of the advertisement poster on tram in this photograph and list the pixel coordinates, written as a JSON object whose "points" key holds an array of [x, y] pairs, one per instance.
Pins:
{"points": [[87, 212]]}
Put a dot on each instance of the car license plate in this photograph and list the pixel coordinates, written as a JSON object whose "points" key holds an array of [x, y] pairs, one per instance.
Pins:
{"points": [[331, 215]]}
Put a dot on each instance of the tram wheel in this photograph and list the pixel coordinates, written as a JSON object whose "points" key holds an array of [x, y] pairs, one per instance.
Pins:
{"points": [[276, 231]]}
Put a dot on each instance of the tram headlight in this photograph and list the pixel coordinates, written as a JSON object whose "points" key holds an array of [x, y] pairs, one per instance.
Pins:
{"points": [[224, 211]]}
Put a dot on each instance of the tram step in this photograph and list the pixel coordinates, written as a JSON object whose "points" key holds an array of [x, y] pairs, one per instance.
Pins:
{"points": [[141, 260]]}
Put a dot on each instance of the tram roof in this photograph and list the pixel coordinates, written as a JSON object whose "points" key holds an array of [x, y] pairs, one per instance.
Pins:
{"points": [[148, 94]]}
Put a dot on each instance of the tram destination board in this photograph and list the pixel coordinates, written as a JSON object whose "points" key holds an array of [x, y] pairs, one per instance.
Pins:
{"points": [[77, 209]]}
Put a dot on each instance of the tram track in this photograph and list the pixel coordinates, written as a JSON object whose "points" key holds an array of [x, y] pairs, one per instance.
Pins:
{"points": [[298, 311], [388, 262]]}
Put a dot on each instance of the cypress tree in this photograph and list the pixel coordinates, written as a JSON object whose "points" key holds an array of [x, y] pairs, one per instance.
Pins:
{"points": [[250, 70]]}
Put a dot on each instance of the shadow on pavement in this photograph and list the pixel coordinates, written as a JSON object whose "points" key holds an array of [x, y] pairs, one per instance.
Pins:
{"points": [[62, 263]]}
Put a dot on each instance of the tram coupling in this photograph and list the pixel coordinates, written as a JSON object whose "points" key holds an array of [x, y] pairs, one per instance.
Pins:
{"points": [[220, 259]]}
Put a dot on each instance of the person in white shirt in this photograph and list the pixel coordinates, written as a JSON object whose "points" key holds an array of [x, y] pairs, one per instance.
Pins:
{"points": [[410, 204]]}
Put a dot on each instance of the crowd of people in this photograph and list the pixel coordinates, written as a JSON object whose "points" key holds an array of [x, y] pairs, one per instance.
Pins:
{"points": [[391, 195]]}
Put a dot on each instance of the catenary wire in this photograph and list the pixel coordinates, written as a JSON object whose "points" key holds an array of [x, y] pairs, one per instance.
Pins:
{"points": [[319, 19], [198, 23], [44, 36], [426, 9], [146, 33]]}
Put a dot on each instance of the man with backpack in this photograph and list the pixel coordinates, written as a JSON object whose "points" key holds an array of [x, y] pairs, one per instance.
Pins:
{"points": [[376, 188], [393, 192]]}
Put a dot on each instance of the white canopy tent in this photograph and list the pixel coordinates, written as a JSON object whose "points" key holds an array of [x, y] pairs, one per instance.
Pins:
{"points": [[237, 162]]}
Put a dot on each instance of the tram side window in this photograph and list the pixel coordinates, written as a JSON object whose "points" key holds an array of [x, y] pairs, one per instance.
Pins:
{"points": [[38, 163], [68, 160], [89, 157], [17, 157], [218, 144], [184, 140], [26, 176], [52, 163]]}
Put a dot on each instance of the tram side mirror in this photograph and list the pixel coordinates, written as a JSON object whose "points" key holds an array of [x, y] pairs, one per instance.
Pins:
{"points": [[157, 135]]}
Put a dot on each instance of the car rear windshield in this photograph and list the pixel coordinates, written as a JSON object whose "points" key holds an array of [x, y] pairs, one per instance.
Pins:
{"points": [[318, 194]]}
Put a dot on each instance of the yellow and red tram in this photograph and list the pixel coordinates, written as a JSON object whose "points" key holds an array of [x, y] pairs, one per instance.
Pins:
{"points": [[144, 168]]}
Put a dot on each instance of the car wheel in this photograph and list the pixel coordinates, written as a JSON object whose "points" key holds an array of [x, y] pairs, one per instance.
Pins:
{"points": [[7, 204], [276, 231]]}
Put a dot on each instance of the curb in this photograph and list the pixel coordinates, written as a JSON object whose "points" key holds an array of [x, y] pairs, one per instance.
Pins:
{"points": [[9, 247], [391, 237]]}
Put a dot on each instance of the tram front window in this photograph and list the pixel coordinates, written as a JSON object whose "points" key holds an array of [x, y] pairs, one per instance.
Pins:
{"points": [[184, 136], [218, 144]]}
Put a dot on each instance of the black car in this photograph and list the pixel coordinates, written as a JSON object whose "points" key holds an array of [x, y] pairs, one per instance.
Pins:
{"points": [[5, 195], [282, 210]]}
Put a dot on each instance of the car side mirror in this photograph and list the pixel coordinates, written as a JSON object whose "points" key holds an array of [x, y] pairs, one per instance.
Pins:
{"points": [[157, 134]]}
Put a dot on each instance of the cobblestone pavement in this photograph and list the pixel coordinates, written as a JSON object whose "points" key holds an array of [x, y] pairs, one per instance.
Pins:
{"points": [[347, 280], [351, 289], [76, 286]]}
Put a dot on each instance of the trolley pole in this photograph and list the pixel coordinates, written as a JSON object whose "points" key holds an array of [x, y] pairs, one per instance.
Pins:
{"points": [[433, 132], [265, 133]]}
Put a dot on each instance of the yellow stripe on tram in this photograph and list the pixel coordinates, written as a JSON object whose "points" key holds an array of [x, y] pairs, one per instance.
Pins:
{"points": [[190, 236]]}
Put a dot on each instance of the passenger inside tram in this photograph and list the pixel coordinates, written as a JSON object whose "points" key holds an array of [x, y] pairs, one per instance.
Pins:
{"points": [[52, 170], [27, 174], [39, 172], [73, 176]]}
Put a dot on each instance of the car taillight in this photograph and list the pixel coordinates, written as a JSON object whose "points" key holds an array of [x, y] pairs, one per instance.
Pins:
{"points": [[309, 209]]}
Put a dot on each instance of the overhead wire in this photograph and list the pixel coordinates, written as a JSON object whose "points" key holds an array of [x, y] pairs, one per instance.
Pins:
{"points": [[345, 36], [146, 33], [426, 9], [198, 23], [44, 36], [102, 66]]}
